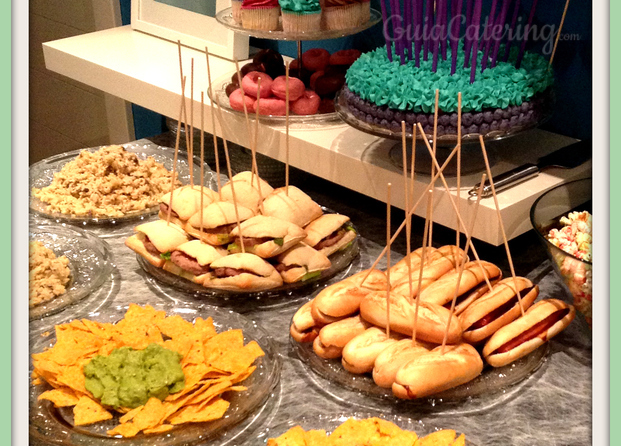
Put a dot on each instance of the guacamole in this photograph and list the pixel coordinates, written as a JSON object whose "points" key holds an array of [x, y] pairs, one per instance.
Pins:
{"points": [[128, 377]]}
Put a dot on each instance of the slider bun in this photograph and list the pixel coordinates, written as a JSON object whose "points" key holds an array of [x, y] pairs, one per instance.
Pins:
{"points": [[431, 322], [245, 194], [338, 334], [265, 226], [303, 327], [393, 357], [309, 260], [249, 177], [203, 253], [442, 290], [219, 213], [400, 269], [187, 200], [178, 271], [501, 294], [534, 315], [135, 243], [359, 353], [261, 275], [165, 237], [437, 371], [323, 226], [337, 301], [296, 207], [347, 238], [375, 280]]}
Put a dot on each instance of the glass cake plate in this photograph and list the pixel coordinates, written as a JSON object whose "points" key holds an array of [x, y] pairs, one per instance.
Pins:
{"points": [[90, 263], [42, 173], [318, 119], [344, 112], [487, 389], [54, 426], [225, 17], [329, 422], [344, 262]]}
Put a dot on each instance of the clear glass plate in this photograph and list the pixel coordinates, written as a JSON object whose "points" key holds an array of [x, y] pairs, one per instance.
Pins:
{"points": [[474, 395], [343, 263], [49, 425], [342, 110], [306, 121], [329, 422], [42, 173], [225, 17], [90, 263]]}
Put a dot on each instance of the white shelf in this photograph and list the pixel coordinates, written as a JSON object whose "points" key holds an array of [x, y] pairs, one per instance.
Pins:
{"points": [[145, 70]]}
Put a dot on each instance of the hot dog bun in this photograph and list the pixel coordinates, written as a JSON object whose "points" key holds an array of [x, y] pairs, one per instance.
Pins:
{"points": [[374, 280], [400, 269], [472, 285], [390, 360], [337, 301], [333, 337], [359, 353], [431, 323], [436, 371], [496, 308], [541, 322], [303, 327]]}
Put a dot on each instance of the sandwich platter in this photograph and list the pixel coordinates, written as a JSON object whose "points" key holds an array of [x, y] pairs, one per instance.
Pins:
{"points": [[51, 425]]}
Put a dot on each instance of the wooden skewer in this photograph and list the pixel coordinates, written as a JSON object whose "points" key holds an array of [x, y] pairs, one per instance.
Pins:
{"points": [[502, 226], [202, 163], [412, 210], [558, 35], [184, 108], [461, 222], [420, 274], [253, 169], [408, 221], [190, 148], [213, 125], [228, 166], [435, 137], [463, 263], [174, 171], [254, 147], [388, 261], [287, 129], [458, 164]]}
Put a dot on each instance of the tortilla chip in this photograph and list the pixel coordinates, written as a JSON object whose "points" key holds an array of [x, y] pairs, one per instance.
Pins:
{"points": [[444, 437], [293, 437], [159, 429], [460, 441], [88, 411], [195, 414], [62, 397]]}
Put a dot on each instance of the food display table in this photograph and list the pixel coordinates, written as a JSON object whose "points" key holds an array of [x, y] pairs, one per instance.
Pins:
{"points": [[552, 406]]}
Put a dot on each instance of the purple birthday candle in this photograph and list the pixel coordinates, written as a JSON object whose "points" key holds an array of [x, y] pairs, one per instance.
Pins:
{"points": [[487, 34], [526, 31], [476, 20], [436, 39], [516, 9], [407, 25], [443, 6], [418, 43], [467, 38], [499, 23], [455, 34], [386, 33], [427, 27], [395, 11]]}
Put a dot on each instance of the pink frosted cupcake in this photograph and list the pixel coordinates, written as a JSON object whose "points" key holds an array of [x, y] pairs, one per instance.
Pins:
{"points": [[236, 10], [260, 14], [365, 11], [340, 14], [300, 15]]}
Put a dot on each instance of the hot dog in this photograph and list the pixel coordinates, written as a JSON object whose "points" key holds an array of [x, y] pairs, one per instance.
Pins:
{"points": [[436, 371], [375, 280], [400, 269], [360, 352], [337, 301], [303, 327], [333, 337], [540, 323], [472, 285], [496, 308], [393, 357], [431, 323]]}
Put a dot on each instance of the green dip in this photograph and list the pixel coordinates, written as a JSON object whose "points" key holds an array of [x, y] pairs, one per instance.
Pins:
{"points": [[128, 377]]}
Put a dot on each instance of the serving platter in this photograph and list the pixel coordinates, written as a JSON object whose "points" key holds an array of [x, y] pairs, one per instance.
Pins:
{"points": [[90, 264], [42, 173], [54, 426]]}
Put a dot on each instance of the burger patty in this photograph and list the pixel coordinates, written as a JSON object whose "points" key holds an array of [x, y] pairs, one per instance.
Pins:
{"points": [[150, 247], [224, 229], [253, 241], [331, 240], [187, 263], [164, 210], [281, 267], [229, 272]]}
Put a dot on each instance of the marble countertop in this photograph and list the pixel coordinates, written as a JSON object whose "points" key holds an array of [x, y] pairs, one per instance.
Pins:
{"points": [[552, 406]]}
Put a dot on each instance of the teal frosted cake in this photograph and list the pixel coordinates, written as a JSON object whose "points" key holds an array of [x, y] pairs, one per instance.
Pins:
{"points": [[503, 98]]}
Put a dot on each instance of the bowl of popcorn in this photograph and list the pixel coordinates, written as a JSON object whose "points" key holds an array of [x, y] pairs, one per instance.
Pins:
{"points": [[562, 219]]}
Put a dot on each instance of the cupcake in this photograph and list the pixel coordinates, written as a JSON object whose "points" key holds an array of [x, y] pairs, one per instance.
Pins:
{"points": [[340, 14], [260, 14], [236, 10], [300, 15]]}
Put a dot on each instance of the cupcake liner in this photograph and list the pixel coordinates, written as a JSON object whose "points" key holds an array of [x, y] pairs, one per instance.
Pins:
{"points": [[340, 17], [236, 10], [294, 22], [260, 18]]}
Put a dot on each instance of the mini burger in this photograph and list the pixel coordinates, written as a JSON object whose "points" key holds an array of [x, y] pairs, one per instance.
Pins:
{"points": [[186, 201], [291, 204], [245, 194], [249, 177], [192, 260], [242, 272], [472, 285], [265, 236], [301, 263], [219, 219], [330, 233], [156, 240]]}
